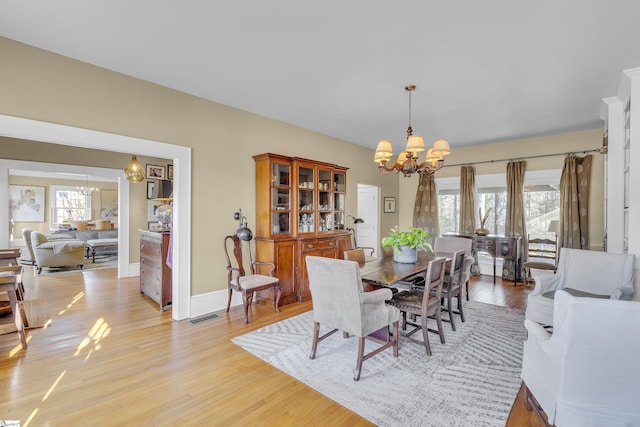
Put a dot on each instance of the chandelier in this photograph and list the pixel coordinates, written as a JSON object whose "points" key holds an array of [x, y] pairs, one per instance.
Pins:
{"points": [[86, 190], [407, 161]]}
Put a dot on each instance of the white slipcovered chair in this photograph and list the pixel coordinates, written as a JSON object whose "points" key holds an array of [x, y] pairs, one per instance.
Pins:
{"points": [[587, 372], [453, 244], [340, 303], [582, 273], [56, 253]]}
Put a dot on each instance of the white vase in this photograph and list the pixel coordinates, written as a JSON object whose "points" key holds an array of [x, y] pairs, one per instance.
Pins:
{"points": [[405, 254]]}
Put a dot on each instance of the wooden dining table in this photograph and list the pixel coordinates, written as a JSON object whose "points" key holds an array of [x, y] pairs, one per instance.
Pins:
{"points": [[385, 272]]}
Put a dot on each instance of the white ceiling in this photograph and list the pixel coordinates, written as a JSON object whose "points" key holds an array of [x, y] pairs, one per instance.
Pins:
{"points": [[486, 71]]}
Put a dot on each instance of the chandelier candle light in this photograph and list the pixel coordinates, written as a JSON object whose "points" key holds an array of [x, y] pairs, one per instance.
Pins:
{"points": [[407, 162]]}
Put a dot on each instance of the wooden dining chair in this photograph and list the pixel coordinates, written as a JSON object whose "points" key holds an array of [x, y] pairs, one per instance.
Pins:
{"points": [[422, 303], [356, 255], [452, 288]]}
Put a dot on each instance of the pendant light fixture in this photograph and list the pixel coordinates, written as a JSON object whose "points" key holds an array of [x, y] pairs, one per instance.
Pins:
{"points": [[407, 162], [134, 172]]}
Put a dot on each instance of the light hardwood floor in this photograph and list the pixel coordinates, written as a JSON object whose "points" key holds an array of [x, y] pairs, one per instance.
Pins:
{"points": [[111, 357]]}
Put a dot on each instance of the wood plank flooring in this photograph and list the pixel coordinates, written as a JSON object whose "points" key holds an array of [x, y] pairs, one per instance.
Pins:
{"points": [[111, 357]]}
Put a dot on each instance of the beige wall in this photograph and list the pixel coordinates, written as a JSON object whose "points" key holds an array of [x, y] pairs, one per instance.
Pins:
{"points": [[39, 85], [561, 143]]}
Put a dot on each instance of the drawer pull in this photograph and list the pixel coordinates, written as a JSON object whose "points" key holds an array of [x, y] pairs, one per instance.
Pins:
{"points": [[309, 246], [330, 243]]}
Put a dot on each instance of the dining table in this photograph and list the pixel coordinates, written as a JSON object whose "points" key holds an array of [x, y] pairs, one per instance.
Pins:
{"points": [[385, 272]]}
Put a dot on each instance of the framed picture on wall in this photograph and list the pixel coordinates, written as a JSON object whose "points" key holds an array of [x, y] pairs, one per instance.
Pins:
{"points": [[169, 171], [389, 204], [155, 172], [26, 203], [150, 187], [153, 206]]}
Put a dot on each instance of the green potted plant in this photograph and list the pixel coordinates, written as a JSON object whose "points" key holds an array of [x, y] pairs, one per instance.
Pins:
{"points": [[406, 243]]}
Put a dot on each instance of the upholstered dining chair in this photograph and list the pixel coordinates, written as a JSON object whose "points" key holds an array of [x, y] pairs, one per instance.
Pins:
{"points": [[452, 244], [247, 281], [452, 288], [421, 302], [340, 303]]}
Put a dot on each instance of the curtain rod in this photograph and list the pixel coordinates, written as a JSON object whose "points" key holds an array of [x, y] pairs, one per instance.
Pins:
{"points": [[595, 150]]}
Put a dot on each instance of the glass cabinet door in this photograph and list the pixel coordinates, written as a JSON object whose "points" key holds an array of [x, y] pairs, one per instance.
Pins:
{"points": [[325, 202], [281, 199], [339, 188], [306, 212]]}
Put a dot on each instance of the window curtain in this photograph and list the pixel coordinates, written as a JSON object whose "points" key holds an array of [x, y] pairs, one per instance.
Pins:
{"points": [[425, 212], [575, 184], [467, 200], [515, 221]]}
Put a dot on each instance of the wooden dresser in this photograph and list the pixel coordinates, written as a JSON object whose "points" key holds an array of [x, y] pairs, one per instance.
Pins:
{"points": [[155, 275]]}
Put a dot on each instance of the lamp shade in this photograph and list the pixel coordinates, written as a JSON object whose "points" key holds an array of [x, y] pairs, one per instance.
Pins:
{"points": [[554, 226], [415, 144], [134, 172], [402, 157], [384, 151], [441, 147], [432, 158], [163, 189]]}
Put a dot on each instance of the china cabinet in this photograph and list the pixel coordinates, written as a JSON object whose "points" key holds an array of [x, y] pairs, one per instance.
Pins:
{"points": [[300, 211]]}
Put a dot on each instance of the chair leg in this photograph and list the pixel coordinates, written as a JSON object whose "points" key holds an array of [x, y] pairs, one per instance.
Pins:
{"points": [[404, 320], [440, 328], [229, 299], [459, 297], [246, 300], [360, 358], [395, 338], [425, 334], [314, 342], [450, 310], [467, 285], [277, 297]]}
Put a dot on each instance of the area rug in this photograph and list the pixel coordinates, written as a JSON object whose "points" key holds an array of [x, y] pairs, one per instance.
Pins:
{"points": [[472, 380]]}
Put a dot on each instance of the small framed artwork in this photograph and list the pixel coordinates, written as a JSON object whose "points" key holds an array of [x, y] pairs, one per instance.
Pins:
{"points": [[153, 206], [389, 204], [151, 185], [169, 171], [155, 172], [154, 226]]}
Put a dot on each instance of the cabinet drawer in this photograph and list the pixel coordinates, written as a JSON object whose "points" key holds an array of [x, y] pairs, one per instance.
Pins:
{"points": [[151, 249], [483, 245], [150, 289], [314, 245], [150, 270]]}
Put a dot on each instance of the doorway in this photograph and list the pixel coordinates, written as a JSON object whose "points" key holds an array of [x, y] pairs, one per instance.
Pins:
{"points": [[368, 210]]}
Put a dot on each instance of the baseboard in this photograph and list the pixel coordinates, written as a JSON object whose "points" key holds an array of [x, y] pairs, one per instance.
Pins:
{"points": [[212, 301]]}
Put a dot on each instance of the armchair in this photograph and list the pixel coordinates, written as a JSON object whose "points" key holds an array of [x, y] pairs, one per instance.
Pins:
{"points": [[57, 253], [340, 303], [585, 374], [582, 273]]}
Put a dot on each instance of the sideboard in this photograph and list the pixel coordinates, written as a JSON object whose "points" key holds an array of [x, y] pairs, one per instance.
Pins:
{"points": [[508, 248]]}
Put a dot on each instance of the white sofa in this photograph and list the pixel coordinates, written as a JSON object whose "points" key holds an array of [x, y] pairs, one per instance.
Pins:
{"points": [[586, 373], [582, 273]]}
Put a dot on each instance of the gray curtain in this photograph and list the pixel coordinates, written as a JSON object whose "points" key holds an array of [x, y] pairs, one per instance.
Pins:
{"points": [[575, 184], [425, 212], [467, 201], [515, 221]]}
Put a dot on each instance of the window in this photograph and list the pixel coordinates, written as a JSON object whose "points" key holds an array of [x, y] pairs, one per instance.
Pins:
{"points": [[541, 201], [68, 204]]}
